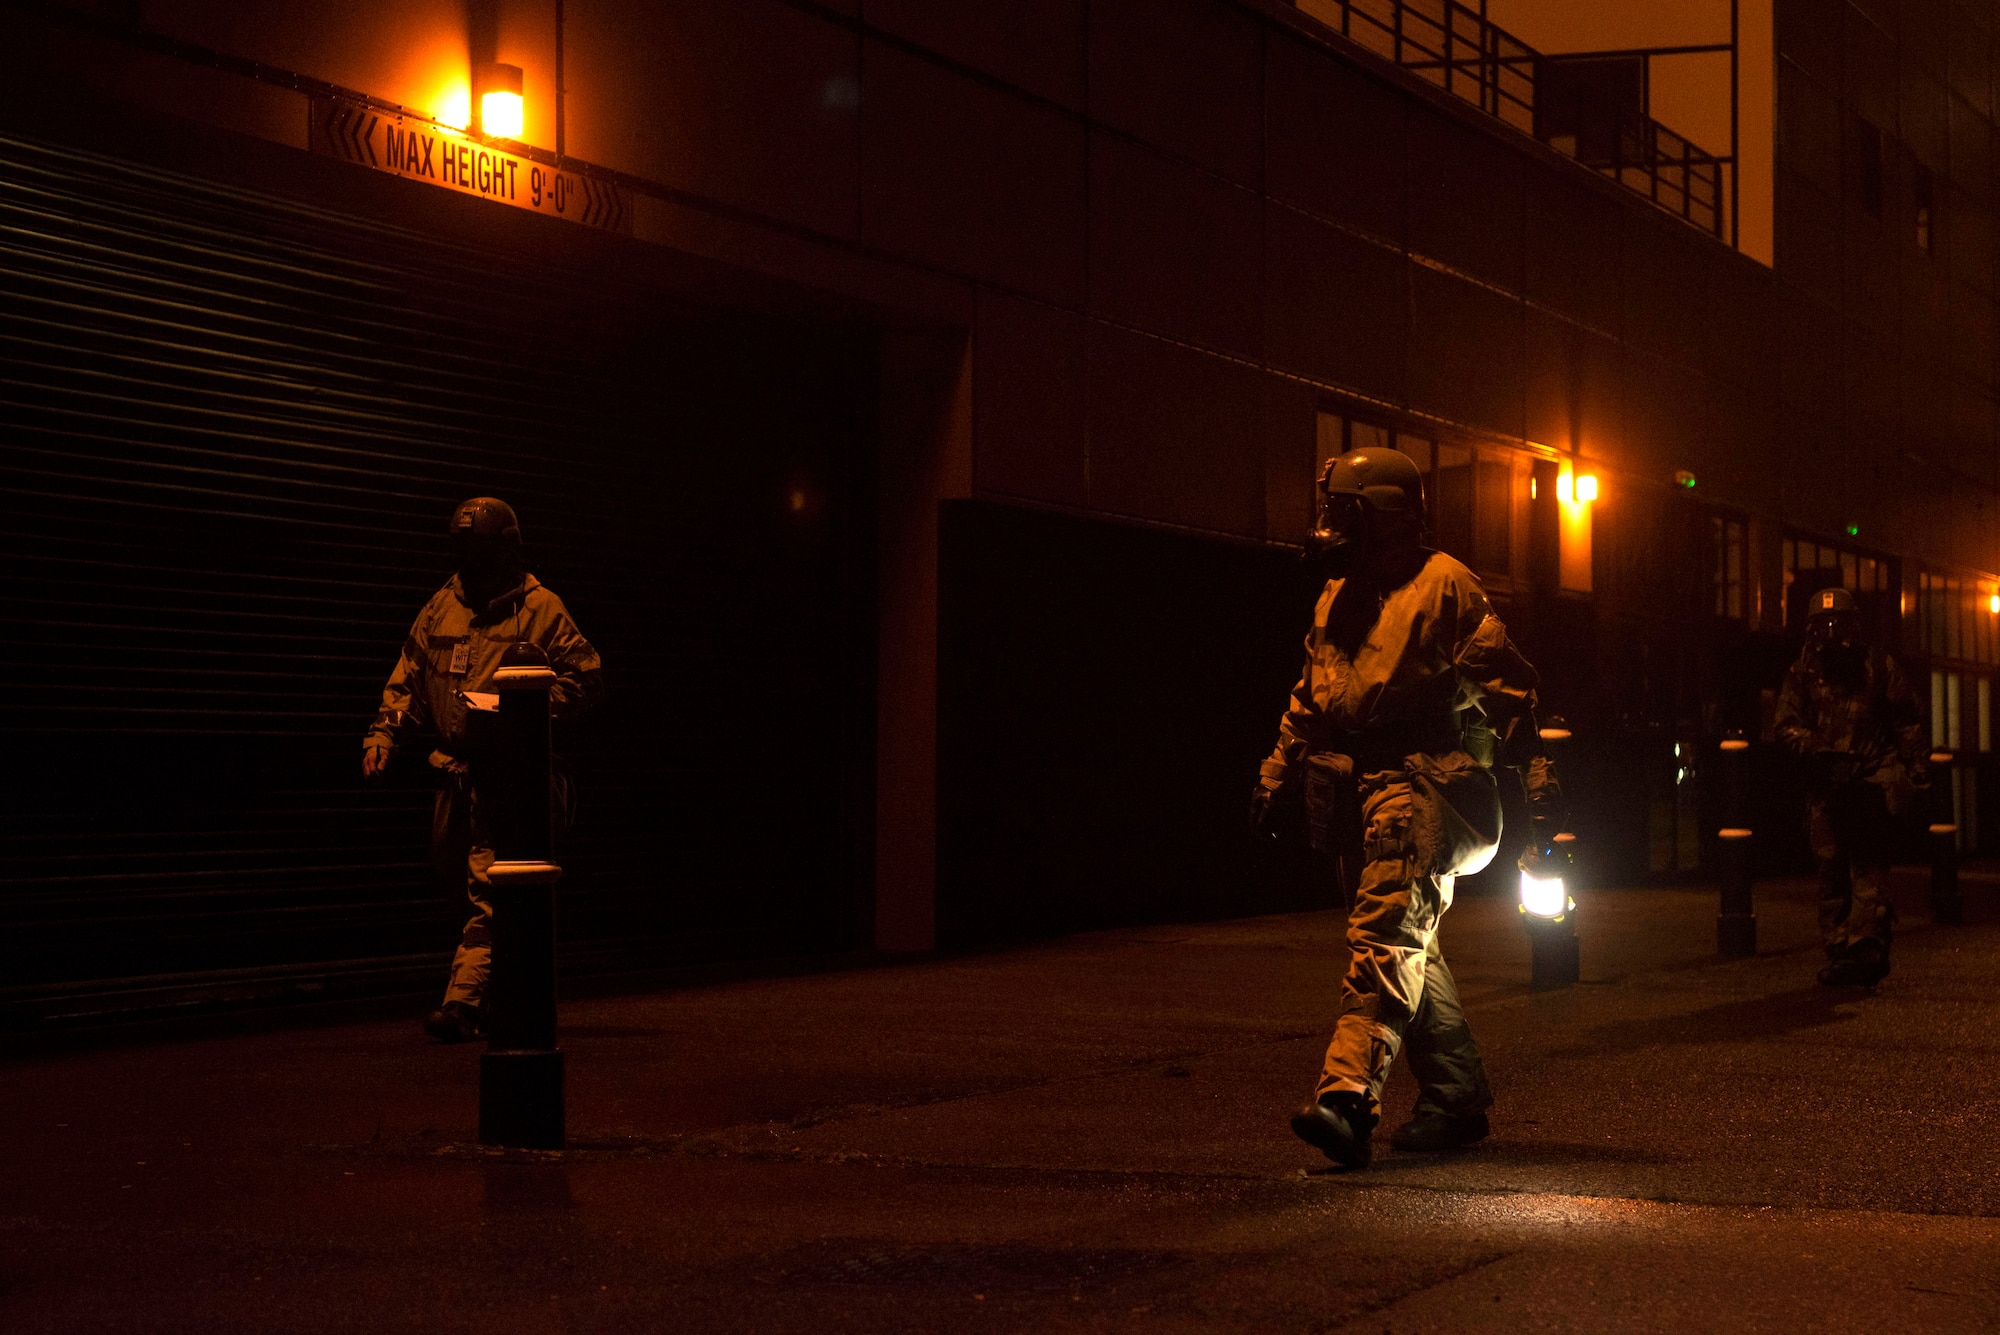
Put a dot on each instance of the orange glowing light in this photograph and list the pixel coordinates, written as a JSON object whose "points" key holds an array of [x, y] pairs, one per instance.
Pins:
{"points": [[500, 115], [500, 107], [1586, 488], [453, 107]]}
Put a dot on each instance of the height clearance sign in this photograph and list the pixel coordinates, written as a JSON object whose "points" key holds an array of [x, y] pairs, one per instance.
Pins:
{"points": [[423, 152]]}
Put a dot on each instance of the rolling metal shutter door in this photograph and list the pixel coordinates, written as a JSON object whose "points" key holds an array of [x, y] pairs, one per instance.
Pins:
{"points": [[232, 430]]}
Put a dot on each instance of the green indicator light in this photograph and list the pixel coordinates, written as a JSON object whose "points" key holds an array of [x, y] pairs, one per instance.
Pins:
{"points": [[1854, 530], [1683, 478]]}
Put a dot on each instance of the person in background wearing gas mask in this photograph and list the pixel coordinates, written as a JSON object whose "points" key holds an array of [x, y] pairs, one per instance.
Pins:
{"points": [[444, 675], [1412, 692], [1851, 715]]}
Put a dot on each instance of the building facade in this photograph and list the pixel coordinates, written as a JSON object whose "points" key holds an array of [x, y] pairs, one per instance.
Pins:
{"points": [[919, 404]]}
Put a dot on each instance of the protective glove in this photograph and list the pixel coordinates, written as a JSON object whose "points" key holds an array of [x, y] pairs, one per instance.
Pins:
{"points": [[1262, 798], [1548, 852], [1836, 767], [449, 764]]}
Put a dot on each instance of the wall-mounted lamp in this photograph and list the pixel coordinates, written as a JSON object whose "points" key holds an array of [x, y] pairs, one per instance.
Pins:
{"points": [[1580, 489], [1993, 604], [500, 114]]}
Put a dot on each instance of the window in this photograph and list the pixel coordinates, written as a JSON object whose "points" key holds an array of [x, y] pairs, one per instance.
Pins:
{"points": [[1947, 693], [1493, 516], [1367, 436], [1811, 566], [1339, 434], [1955, 617], [1729, 564], [1332, 439], [1451, 499]]}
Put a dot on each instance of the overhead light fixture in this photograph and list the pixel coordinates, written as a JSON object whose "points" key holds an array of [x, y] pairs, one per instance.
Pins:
{"points": [[500, 107]]}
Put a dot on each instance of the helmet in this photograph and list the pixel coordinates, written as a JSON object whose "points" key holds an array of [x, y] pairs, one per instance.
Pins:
{"points": [[486, 517], [1387, 480], [1367, 498], [1833, 626]]}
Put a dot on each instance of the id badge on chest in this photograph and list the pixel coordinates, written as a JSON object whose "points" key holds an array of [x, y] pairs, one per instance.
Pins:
{"points": [[461, 658]]}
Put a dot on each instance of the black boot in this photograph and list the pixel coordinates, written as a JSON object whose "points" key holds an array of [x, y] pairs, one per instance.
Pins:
{"points": [[453, 1022], [1429, 1132], [1871, 958], [1863, 964], [1338, 1126]]}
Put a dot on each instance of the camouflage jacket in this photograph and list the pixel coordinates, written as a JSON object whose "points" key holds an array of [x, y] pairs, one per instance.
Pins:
{"points": [[1427, 662], [454, 648], [1878, 721]]}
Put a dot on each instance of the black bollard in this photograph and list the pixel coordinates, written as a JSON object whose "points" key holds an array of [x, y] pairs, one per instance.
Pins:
{"points": [[1736, 923], [521, 1072], [1946, 906]]}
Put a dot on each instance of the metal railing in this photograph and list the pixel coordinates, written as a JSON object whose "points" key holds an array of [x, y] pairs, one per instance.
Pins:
{"points": [[1461, 52]]}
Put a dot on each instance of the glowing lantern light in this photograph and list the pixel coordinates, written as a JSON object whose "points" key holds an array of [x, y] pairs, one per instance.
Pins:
{"points": [[500, 112], [1544, 896]]}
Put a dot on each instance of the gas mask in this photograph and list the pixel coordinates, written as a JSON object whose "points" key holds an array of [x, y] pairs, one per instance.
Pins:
{"points": [[1341, 536], [486, 538], [487, 567], [1371, 515], [1834, 640]]}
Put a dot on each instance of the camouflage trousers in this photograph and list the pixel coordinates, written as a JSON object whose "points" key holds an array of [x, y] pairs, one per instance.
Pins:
{"points": [[461, 855], [1853, 838], [1398, 994]]}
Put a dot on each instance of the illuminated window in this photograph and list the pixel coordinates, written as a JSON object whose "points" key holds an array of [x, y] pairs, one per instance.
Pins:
{"points": [[1811, 566], [1729, 564]]}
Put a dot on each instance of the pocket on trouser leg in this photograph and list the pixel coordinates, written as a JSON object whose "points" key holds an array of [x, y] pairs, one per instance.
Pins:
{"points": [[1333, 808]]}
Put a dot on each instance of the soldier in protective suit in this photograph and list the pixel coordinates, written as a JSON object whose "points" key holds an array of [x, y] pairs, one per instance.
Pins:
{"points": [[1852, 716], [1412, 692], [436, 694]]}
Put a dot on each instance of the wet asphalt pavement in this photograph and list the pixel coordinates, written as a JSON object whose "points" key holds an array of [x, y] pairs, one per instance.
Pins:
{"points": [[1088, 1135]]}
